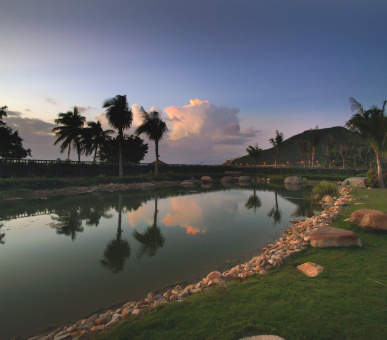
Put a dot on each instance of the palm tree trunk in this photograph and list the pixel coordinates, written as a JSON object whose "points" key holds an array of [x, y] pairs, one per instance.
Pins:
{"points": [[157, 158], [380, 170], [120, 165], [95, 154], [156, 211], [68, 154], [119, 229]]}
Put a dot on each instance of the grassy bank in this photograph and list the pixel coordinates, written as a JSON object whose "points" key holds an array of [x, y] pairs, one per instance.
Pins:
{"points": [[347, 301]]}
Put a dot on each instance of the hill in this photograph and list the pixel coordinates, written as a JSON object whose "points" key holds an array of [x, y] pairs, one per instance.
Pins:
{"points": [[290, 152]]}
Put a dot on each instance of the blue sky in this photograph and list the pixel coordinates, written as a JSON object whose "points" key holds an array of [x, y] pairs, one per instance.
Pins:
{"points": [[249, 67]]}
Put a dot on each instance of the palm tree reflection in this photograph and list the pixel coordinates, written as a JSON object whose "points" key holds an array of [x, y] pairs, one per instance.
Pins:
{"points": [[151, 239], [275, 212], [117, 250], [1, 235], [253, 202], [69, 223]]}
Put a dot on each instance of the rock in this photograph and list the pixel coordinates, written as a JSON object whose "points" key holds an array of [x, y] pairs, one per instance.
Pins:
{"points": [[375, 220], [126, 312], [136, 311], [324, 237], [310, 269], [357, 182], [293, 180], [293, 187], [98, 328], [228, 179], [245, 179], [113, 323], [328, 199], [160, 300], [102, 321], [213, 276], [187, 184], [206, 179]]}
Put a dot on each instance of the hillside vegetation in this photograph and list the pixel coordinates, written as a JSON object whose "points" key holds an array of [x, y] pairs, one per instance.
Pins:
{"points": [[290, 152]]}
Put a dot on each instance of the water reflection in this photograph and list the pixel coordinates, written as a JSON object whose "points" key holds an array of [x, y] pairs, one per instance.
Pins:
{"points": [[275, 212], [1, 235], [152, 239], [68, 223], [253, 202], [117, 250]]}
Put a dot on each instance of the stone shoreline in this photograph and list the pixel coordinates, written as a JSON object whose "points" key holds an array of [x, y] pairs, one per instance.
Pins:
{"points": [[293, 240]]}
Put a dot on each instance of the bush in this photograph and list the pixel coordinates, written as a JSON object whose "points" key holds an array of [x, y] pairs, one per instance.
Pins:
{"points": [[277, 179], [326, 188], [372, 180]]}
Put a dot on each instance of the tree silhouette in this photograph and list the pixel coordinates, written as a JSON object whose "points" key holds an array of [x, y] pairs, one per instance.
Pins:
{"points": [[253, 202], [120, 117], [94, 137], [313, 142], [254, 152], [117, 250], [330, 148], [277, 142], [10, 143], [152, 239], [275, 212], [69, 223], [70, 131], [154, 128], [371, 126]]}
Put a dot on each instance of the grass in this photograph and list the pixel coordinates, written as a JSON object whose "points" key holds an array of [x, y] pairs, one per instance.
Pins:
{"points": [[344, 302], [326, 188]]}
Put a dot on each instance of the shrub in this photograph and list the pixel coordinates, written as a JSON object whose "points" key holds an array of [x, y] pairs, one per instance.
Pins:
{"points": [[277, 179], [326, 188], [372, 180]]}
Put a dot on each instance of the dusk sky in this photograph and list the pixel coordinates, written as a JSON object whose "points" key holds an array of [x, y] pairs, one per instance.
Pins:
{"points": [[225, 74]]}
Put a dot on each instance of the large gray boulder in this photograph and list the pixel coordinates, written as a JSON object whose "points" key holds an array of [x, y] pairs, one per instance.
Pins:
{"points": [[356, 182], [206, 179], [294, 180]]}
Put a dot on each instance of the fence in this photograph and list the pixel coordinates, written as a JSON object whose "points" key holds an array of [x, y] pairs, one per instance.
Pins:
{"points": [[55, 168]]}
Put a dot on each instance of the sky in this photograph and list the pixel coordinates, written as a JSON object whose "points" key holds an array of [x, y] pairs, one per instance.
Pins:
{"points": [[224, 74]]}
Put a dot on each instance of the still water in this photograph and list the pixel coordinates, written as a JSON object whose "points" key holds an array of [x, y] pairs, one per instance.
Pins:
{"points": [[63, 258]]}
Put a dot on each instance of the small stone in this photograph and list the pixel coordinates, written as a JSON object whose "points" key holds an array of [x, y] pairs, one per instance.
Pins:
{"points": [[310, 269], [263, 272], [112, 323], [136, 311], [98, 328], [102, 321]]}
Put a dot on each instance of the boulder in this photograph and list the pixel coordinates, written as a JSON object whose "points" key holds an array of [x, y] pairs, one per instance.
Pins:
{"points": [[324, 237], [207, 179], [371, 219], [245, 179], [293, 187], [357, 182], [310, 269], [328, 199], [293, 180]]}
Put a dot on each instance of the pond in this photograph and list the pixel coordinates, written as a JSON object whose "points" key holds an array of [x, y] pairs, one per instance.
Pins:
{"points": [[63, 258]]}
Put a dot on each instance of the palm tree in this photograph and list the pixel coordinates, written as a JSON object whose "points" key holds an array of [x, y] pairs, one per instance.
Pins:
{"points": [[120, 117], [117, 250], [345, 150], [253, 202], [254, 153], [70, 131], [370, 125], [154, 128], [277, 142], [94, 137], [152, 239]]}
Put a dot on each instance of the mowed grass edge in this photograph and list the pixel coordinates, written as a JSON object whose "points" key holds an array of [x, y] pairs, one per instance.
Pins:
{"points": [[347, 301]]}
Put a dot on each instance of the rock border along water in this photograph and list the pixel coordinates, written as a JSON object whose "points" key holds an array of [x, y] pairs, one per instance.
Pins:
{"points": [[292, 241]]}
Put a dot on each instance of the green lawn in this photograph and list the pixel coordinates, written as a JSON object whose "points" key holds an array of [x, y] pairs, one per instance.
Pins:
{"points": [[344, 302]]}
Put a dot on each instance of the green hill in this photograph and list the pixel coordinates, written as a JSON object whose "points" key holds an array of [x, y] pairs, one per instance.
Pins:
{"points": [[290, 152]]}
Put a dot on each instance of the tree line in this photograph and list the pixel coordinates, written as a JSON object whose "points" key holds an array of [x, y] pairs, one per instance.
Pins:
{"points": [[369, 127], [93, 140]]}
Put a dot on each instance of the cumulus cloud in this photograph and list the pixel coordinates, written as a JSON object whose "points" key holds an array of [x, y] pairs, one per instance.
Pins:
{"points": [[204, 132]]}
